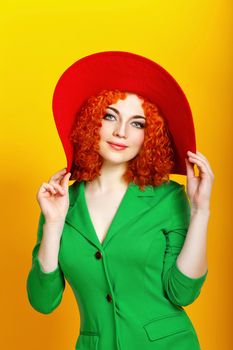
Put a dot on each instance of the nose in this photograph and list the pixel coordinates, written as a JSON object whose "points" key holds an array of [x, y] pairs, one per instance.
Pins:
{"points": [[120, 131]]}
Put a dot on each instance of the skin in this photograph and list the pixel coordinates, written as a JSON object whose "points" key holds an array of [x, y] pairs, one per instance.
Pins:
{"points": [[123, 128], [192, 260]]}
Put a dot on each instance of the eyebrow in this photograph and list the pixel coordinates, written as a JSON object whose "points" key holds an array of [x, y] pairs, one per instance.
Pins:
{"points": [[135, 116]]}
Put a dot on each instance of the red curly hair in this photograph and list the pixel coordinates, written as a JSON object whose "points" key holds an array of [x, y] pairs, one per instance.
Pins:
{"points": [[151, 166]]}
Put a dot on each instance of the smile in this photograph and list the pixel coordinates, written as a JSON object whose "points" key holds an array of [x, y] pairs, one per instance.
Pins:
{"points": [[116, 147]]}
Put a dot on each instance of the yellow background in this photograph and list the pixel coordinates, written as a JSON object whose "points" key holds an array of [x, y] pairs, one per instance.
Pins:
{"points": [[39, 40]]}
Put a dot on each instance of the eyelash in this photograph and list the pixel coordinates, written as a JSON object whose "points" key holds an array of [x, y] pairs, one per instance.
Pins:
{"points": [[141, 124]]}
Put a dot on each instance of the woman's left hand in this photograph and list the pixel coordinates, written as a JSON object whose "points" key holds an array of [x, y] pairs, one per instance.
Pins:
{"points": [[199, 187]]}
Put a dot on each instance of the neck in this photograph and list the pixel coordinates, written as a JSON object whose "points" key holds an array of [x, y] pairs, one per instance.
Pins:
{"points": [[110, 180]]}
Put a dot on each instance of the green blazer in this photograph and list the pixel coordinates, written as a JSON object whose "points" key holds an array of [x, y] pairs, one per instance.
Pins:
{"points": [[129, 290]]}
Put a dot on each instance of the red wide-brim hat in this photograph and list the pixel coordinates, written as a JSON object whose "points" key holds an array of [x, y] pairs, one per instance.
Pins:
{"points": [[129, 72]]}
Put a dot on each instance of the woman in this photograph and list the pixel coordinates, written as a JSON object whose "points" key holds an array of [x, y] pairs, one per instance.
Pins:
{"points": [[123, 235]]}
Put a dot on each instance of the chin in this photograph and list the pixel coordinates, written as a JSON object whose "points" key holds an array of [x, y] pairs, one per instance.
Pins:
{"points": [[114, 160], [117, 159]]}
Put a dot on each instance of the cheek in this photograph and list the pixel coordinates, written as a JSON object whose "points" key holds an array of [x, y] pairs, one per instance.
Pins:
{"points": [[138, 139], [104, 131]]}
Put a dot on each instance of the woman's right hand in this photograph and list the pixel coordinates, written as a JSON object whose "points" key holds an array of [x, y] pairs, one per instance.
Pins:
{"points": [[53, 197]]}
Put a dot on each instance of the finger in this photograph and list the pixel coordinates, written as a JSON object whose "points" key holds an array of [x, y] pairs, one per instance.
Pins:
{"points": [[57, 176], [59, 188], [65, 180], [190, 168], [47, 187], [208, 164], [197, 154], [200, 164], [201, 157]]}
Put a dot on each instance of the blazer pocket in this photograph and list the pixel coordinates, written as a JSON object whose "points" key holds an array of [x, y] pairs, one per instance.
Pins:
{"points": [[167, 325], [87, 340]]}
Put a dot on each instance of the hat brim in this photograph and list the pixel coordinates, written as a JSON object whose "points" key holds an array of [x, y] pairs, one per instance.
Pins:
{"points": [[125, 71]]}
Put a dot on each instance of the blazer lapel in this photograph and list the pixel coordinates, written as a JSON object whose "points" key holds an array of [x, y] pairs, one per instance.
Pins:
{"points": [[132, 205], [77, 215]]}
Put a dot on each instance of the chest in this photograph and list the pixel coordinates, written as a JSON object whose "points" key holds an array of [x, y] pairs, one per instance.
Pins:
{"points": [[102, 210]]}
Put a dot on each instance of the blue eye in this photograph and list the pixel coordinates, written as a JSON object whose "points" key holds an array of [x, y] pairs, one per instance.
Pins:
{"points": [[108, 114], [141, 125]]}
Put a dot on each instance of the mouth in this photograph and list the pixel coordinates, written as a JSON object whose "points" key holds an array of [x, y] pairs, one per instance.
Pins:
{"points": [[117, 146]]}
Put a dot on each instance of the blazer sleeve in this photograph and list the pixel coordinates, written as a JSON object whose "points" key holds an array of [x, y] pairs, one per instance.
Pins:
{"points": [[44, 289], [181, 289]]}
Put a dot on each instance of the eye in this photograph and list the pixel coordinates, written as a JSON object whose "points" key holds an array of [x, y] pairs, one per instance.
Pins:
{"points": [[106, 115], [140, 124]]}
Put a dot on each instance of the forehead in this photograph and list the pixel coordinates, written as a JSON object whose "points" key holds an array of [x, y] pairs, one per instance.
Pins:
{"points": [[131, 100], [130, 106]]}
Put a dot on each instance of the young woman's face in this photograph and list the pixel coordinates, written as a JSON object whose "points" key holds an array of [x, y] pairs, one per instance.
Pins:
{"points": [[123, 123]]}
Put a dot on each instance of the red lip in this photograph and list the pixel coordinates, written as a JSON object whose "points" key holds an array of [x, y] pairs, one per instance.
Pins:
{"points": [[117, 144]]}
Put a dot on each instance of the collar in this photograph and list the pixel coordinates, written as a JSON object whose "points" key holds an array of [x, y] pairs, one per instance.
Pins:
{"points": [[133, 205]]}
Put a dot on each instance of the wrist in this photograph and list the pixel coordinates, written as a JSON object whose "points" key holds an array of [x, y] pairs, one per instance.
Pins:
{"points": [[54, 222], [200, 211]]}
